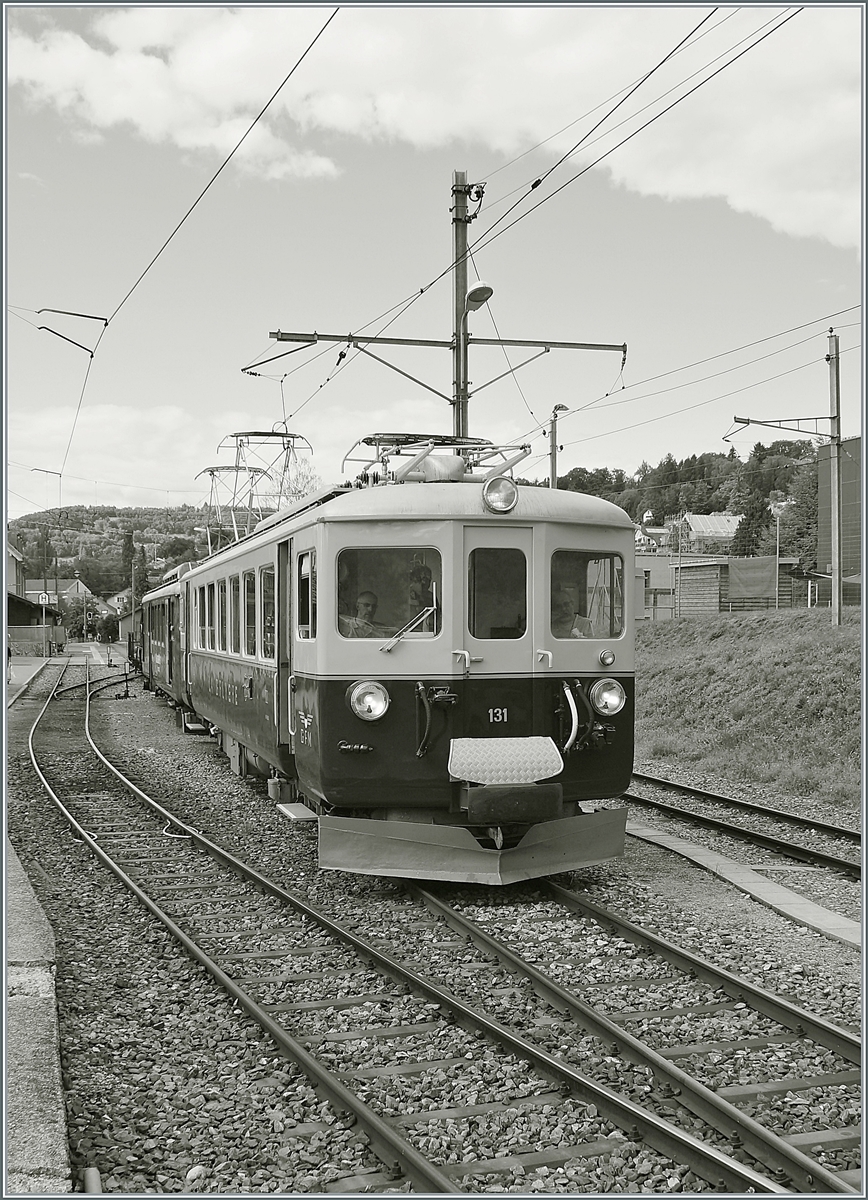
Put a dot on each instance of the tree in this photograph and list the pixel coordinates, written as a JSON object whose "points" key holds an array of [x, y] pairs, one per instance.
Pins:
{"points": [[756, 517], [177, 549], [80, 621], [107, 628]]}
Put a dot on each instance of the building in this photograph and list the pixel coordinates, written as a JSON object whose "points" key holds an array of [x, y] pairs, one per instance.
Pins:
{"points": [[33, 628], [851, 521], [59, 591], [707, 533], [717, 584]]}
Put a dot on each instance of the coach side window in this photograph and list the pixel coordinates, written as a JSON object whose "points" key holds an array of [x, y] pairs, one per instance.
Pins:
{"points": [[587, 597], [497, 582], [266, 585], [210, 616], [249, 612], [307, 594], [221, 614]]}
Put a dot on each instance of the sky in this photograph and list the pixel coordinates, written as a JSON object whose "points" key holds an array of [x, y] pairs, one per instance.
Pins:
{"points": [[700, 198]]}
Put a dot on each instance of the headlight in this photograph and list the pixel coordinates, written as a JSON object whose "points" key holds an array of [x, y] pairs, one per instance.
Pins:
{"points": [[368, 700], [608, 697], [499, 494]]}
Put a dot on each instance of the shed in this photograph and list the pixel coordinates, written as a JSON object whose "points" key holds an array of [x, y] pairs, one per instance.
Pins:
{"points": [[720, 584]]}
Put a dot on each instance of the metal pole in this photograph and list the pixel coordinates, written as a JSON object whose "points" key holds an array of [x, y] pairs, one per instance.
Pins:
{"points": [[553, 445], [459, 258], [835, 471], [777, 555]]}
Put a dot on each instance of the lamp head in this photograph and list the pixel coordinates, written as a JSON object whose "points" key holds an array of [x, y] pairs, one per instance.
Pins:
{"points": [[477, 296]]}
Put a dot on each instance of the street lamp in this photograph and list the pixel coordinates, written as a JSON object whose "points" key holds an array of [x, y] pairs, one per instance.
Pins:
{"points": [[553, 445], [474, 298]]}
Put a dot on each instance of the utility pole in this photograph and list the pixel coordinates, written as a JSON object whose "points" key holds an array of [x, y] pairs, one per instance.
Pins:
{"points": [[798, 426], [835, 469], [553, 445], [464, 301], [459, 259]]}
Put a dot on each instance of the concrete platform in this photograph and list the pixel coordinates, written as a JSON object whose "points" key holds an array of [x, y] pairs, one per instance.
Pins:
{"points": [[37, 1157], [24, 670], [789, 904]]}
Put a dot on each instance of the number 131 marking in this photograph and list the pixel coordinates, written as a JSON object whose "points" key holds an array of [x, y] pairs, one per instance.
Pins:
{"points": [[496, 715]]}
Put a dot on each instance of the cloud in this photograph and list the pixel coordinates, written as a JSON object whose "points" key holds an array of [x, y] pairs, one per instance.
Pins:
{"points": [[777, 135]]}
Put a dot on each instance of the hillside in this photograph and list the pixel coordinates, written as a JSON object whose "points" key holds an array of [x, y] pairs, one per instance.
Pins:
{"points": [[773, 699]]}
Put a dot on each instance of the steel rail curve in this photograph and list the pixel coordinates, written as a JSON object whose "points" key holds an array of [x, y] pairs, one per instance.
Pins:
{"points": [[387, 1143]]}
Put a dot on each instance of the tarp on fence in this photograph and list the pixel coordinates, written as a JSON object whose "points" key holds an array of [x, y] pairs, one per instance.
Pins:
{"points": [[752, 577]]}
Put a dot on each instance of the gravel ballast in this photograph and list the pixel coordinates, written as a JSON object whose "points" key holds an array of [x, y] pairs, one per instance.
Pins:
{"points": [[172, 1097]]}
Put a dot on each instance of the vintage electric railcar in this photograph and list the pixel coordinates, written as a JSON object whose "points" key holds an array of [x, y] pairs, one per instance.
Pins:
{"points": [[435, 662]]}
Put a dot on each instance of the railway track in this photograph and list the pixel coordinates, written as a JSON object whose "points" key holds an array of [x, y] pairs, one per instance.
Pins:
{"points": [[369, 1019], [792, 835]]}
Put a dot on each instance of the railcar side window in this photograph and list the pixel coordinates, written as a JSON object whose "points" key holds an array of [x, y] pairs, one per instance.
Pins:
{"points": [[235, 615], [221, 614], [200, 617], [497, 583], [266, 584], [307, 594], [384, 590], [249, 612], [587, 594], [210, 616]]}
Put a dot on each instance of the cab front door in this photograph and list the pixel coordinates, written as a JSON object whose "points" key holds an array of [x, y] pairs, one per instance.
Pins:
{"points": [[497, 652]]}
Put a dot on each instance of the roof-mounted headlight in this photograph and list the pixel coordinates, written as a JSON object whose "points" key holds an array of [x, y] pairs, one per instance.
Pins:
{"points": [[368, 700], [499, 494], [608, 697]]}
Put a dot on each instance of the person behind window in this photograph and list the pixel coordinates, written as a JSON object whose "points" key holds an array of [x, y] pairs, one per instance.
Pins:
{"points": [[565, 621], [421, 595], [363, 623]]}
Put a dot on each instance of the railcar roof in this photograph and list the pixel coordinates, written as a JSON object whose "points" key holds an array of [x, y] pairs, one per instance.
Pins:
{"points": [[415, 501]]}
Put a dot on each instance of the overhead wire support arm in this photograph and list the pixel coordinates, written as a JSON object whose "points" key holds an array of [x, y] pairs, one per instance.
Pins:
{"points": [[796, 428], [358, 341], [406, 374], [511, 371]]}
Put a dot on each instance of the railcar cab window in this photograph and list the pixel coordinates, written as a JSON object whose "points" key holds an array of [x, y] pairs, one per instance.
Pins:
{"points": [[497, 593], [249, 613], [587, 594], [384, 590], [209, 633], [266, 582], [307, 595]]}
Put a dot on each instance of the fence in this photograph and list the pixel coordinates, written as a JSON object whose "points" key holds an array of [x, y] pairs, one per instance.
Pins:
{"points": [[36, 641]]}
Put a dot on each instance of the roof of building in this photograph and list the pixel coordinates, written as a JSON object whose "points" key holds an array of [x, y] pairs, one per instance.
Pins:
{"points": [[63, 585], [719, 524]]}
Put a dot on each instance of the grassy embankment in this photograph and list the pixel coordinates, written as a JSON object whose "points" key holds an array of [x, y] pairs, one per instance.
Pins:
{"points": [[766, 698]]}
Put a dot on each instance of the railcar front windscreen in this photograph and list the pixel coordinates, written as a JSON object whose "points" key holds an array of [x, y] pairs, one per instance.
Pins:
{"points": [[383, 589], [587, 594]]}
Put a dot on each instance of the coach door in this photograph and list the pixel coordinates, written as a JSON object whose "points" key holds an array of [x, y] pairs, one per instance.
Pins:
{"points": [[283, 678]]}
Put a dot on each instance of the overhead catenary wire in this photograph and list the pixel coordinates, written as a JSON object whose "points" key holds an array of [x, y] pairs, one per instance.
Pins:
{"points": [[486, 238], [188, 213], [702, 361]]}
